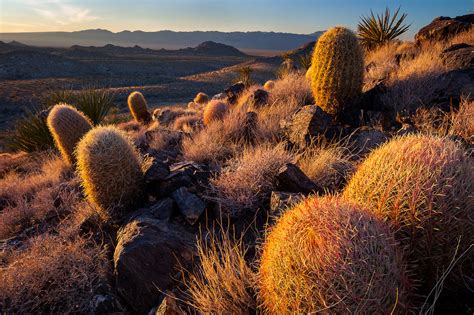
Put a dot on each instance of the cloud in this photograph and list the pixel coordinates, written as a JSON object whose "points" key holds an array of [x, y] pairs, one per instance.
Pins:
{"points": [[60, 11]]}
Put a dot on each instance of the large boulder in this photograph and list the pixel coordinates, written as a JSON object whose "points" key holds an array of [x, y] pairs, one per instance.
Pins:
{"points": [[146, 259], [233, 92], [443, 28], [458, 56]]}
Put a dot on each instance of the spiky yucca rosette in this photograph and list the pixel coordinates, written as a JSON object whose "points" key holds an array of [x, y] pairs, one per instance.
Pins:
{"points": [[68, 126], [328, 255], [423, 186], [109, 167], [337, 70]]}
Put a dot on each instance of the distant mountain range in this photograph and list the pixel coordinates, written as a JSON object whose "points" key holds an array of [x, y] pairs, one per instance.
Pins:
{"points": [[164, 39]]}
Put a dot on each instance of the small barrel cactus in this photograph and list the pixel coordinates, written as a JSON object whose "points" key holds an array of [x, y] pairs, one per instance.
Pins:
{"points": [[269, 85], [201, 98], [214, 110], [337, 70], [329, 254], [138, 107], [424, 187], [68, 126], [109, 167]]}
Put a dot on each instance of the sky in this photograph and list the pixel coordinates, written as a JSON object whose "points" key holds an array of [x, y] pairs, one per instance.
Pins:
{"points": [[293, 16]]}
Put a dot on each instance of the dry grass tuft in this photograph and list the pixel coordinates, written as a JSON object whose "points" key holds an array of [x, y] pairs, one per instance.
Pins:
{"points": [[294, 88], [249, 177], [326, 164], [424, 187], [328, 255], [55, 274], [223, 282], [214, 110], [187, 123]]}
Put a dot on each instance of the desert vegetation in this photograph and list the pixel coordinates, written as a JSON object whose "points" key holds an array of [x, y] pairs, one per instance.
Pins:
{"points": [[345, 185]]}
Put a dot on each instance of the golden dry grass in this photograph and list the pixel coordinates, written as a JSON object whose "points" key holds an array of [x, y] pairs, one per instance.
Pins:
{"points": [[224, 282], [327, 255], [249, 177], [214, 110], [423, 186]]}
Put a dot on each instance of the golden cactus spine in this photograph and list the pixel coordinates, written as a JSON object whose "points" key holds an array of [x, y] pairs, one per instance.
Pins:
{"points": [[68, 126], [109, 167], [201, 98], [214, 110], [138, 107], [337, 70]]}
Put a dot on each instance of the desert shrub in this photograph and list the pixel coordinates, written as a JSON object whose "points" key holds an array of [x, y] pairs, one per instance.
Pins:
{"points": [[423, 186], [380, 63], [249, 177], [68, 126], [269, 85], [326, 164], [94, 103], [218, 141], [31, 132], [109, 167], [376, 31], [223, 282], [201, 98], [214, 110], [293, 88], [26, 199], [53, 275], [138, 107], [337, 70], [187, 123], [305, 61], [244, 75], [328, 255]]}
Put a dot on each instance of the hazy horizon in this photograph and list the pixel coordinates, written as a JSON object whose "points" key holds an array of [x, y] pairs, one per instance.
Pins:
{"points": [[297, 17]]}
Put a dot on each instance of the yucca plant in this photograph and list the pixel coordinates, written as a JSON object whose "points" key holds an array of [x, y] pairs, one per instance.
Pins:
{"points": [[374, 30], [31, 132], [94, 103], [245, 75]]}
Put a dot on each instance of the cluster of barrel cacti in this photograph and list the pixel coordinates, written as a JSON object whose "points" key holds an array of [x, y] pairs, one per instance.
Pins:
{"points": [[106, 160]]}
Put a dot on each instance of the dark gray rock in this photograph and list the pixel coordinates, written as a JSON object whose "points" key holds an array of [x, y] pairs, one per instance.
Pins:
{"points": [[162, 210], [190, 205], [307, 124], [366, 139], [156, 171], [106, 304], [147, 255], [406, 129], [459, 56], [291, 179], [442, 28], [258, 98], [233, 92], [168, 306], [280, 200]]}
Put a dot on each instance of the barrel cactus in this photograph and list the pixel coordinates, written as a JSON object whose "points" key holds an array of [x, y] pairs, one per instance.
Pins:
{"points": [[138, 107], [424, 187], [214, 110], [109, 167], [201, 98], [337, 70], [269, 85], [68, 126], [328, 255]]}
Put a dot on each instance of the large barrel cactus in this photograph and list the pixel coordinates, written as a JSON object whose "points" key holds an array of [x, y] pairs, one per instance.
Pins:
{"points": [[337, 70], [109, 167], [138, 107], [328, 255], [68, 126]]}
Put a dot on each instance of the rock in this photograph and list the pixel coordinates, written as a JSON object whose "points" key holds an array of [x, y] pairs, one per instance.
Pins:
{"points": [[442, 28], [290, 178], [258, 98], [366, 139], [168, 306], [156, 171], [459, 56], [233, 92], [455, 84], [146, 257], [307, 124], [220, 97], [106, 304], [190, 205], [371, 99], [281, 200], [250, 126], [162, 210]]}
